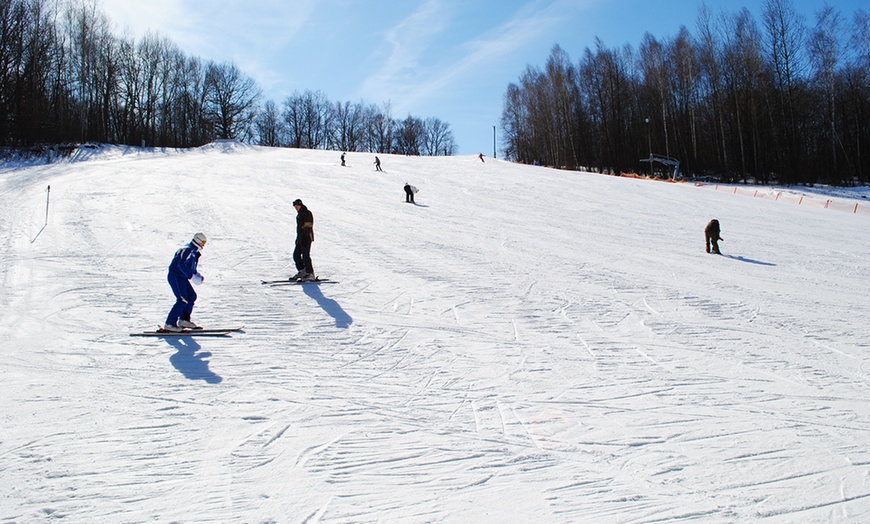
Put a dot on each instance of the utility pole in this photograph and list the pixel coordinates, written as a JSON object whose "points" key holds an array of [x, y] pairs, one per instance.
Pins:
{"points": [[493, 142]]}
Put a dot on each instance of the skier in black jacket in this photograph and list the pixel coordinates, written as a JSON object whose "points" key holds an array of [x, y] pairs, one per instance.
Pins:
{"points": [[304, 238]]}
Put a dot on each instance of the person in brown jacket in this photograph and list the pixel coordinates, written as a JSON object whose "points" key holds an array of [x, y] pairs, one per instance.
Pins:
{"points": [[711, 232]]}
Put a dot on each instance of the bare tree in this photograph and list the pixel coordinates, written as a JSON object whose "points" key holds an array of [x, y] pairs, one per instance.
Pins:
{"points": [[270, 126], [31, 68], [151, 56], [742, 71], [193, 103], [232, 98], [348, 126], [409, 136], [859, 96], [826, 54], [293, 119], [438, 138], [318, 119], [709, 44], [609, 87], [307, 116], [562, 92], [515, 124], [381, 128], [173, 83], [784, 46], [656, 78], [685, 79], [89, 38]]}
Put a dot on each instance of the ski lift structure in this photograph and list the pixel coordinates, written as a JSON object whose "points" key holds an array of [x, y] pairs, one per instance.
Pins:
{"points": [[665, 161]]}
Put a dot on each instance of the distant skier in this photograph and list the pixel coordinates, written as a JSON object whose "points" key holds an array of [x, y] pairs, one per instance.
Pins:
{"points": [[409, 193], [480, 156], [182, 270], [378, 164], [711, 232], [342, 159], [304, 238]]}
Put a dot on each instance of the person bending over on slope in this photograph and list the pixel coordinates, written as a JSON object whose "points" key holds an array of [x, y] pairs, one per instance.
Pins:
{"points": [[409, 193], [711, 232], [304, 238], [182, 270]]}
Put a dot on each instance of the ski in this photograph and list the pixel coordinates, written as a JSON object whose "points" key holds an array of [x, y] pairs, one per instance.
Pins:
{"points": [[283, 280], [302, 282], [214, 332], [185, 333], [288, 282], [239, 329]]}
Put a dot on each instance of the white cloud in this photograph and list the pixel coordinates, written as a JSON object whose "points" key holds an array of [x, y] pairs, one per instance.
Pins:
{"points": [[140, 17], [406, 42], [228, 30], [406, 81], [426, 53]]}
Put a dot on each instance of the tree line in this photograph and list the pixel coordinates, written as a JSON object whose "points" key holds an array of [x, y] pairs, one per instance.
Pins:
{"points": [[309, 120], [778, 101], [65, 77]]}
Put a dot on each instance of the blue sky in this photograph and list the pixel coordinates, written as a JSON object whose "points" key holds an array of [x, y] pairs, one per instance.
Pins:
{"points": [[450, 59]]}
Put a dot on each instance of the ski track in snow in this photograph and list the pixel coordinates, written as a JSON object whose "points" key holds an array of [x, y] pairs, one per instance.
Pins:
{"points": [[525, 345]]}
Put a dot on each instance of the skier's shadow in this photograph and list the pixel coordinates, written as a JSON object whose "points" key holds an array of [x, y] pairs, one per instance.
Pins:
{"points": [[342, 319], [192, 365], [749, 260]]}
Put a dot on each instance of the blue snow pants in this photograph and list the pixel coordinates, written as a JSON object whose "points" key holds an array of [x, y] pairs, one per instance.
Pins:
{"points": [[185, 297]]}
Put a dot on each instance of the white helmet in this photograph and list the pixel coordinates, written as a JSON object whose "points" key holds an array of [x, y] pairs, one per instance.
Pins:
{"points": [[199, 239]]}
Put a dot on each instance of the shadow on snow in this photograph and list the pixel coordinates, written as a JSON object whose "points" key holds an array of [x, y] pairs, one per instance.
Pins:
{"points": [[342, 319], [749, 260], [192, 365]]}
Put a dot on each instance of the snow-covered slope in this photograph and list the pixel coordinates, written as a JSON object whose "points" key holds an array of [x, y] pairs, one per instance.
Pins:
{"points": [[523, 345]]}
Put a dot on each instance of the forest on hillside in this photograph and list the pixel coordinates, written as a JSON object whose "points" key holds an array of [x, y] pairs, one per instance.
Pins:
{"points": [[781, 99], [66, 78]]}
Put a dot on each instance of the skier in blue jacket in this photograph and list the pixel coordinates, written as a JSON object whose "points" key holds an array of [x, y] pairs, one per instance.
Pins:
{"points": [[182, 270]]}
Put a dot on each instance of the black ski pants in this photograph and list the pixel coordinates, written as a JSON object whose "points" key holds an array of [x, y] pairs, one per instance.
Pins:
{"points": [[302, 255]]}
